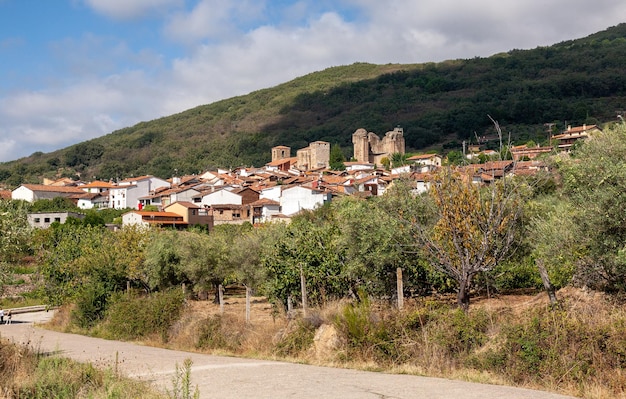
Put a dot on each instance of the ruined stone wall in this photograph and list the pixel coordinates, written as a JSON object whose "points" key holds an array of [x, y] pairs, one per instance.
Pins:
{"points": [[368, 147]]}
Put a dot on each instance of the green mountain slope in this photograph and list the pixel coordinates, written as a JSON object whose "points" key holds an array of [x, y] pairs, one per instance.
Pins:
{"points": [[437, 104]]}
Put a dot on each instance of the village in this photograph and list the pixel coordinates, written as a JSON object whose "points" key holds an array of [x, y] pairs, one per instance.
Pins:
{"points": [[283, 187]]}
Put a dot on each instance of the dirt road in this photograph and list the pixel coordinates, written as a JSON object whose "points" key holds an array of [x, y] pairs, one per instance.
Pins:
{"points": [[225, 377]]}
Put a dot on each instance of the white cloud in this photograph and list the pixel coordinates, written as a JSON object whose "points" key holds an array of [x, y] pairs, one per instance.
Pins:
{"points": [[211, 19], [126, 9]]}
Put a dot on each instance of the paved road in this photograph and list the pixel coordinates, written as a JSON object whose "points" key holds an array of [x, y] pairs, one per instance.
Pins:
{"points": [[225, 377]]}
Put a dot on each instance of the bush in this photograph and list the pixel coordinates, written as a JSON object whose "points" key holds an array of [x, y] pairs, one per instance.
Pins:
{"points": [[210, 334], [130, 317], [90, 306], [298, 338]]}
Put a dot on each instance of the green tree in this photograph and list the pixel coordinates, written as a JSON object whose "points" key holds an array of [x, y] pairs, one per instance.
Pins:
{"points": [[53, 205], [337, 158], [594, 180], [308, 245], [15, 232], [398, 159], [206, 258], [162, 266], [373, 245]]}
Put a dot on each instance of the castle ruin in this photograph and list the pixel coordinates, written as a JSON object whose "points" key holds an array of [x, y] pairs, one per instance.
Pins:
{"points": [[369, 148]]}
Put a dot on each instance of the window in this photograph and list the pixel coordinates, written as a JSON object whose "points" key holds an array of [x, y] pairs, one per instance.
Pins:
{"points": [[37, 220], [46, 220], [57, 220]]}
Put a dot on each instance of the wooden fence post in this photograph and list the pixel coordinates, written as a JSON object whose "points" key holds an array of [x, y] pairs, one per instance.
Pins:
{"points": [[400, 288], [248, 295], [220, 291], [289, 304], [303, 289]]}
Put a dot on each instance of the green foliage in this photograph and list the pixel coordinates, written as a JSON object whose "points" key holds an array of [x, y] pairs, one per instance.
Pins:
{"points": [[53, 205], [594, 182], [91, 305], [84, 154], [30, 375], [131, 317], [463, 332], [48, 384], [15, 232], [549, 346], [337, 158], [307, 244], [162, 267]]}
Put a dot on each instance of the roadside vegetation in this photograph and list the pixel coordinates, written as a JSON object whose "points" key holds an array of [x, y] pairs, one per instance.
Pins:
{"points": [[25, 373], [456, 245]]}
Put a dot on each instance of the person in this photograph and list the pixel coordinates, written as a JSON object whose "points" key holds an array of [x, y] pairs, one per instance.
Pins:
{"points": [[1, 316], [9, 316]]}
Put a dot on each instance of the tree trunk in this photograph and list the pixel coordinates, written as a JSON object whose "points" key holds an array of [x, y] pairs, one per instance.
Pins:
{"points": [[545, 278], [216, 298], [463, 295]]}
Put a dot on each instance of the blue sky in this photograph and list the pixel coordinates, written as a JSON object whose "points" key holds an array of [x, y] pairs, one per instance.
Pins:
{"points": [[72, 70]]}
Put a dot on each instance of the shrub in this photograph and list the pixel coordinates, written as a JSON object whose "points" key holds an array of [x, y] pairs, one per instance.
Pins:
{"points": [[131, 317], [90, 306], [298, 338], [210, 334]]}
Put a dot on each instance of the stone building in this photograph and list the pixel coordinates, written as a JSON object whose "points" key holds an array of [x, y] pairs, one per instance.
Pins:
{"points": [[368, 147], [280, 152], [315, 156]]}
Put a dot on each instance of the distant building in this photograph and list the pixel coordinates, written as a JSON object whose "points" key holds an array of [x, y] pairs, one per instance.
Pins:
{"points": [[315, 156], [43, 220], [280, 152], [566, 140], [369, 148]]}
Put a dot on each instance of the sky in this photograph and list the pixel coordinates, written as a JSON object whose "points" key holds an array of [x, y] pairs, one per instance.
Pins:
{"points": [[73, 70]]}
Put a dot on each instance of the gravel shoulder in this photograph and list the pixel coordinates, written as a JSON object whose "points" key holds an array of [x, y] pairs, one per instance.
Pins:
{"points": [[227, 377]]}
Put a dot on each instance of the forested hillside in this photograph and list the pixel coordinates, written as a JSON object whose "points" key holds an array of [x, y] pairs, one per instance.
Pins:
{"points": [[437, 104]]}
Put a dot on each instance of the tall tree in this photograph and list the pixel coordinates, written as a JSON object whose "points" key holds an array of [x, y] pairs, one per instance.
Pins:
{"points": [[474, 227], [594, 180], [15, 231]]}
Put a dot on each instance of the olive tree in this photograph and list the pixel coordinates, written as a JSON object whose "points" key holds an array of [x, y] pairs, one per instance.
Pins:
{"points": [[594, 181]]}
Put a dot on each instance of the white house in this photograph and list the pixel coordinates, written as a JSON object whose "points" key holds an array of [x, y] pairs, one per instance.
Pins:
{"points": [[93, 200], [127, 192], [352, 166], [273, 193], [297, 198], [220, 196], [34, 192], [143, 218], [264, 210]]}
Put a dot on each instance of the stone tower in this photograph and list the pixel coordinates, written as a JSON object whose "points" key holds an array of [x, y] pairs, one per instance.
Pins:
{"points": [[280, 152], [368, 147]]}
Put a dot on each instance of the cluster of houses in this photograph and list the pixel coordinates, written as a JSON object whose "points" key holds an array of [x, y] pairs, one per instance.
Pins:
{"points": [[276, 191]]}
